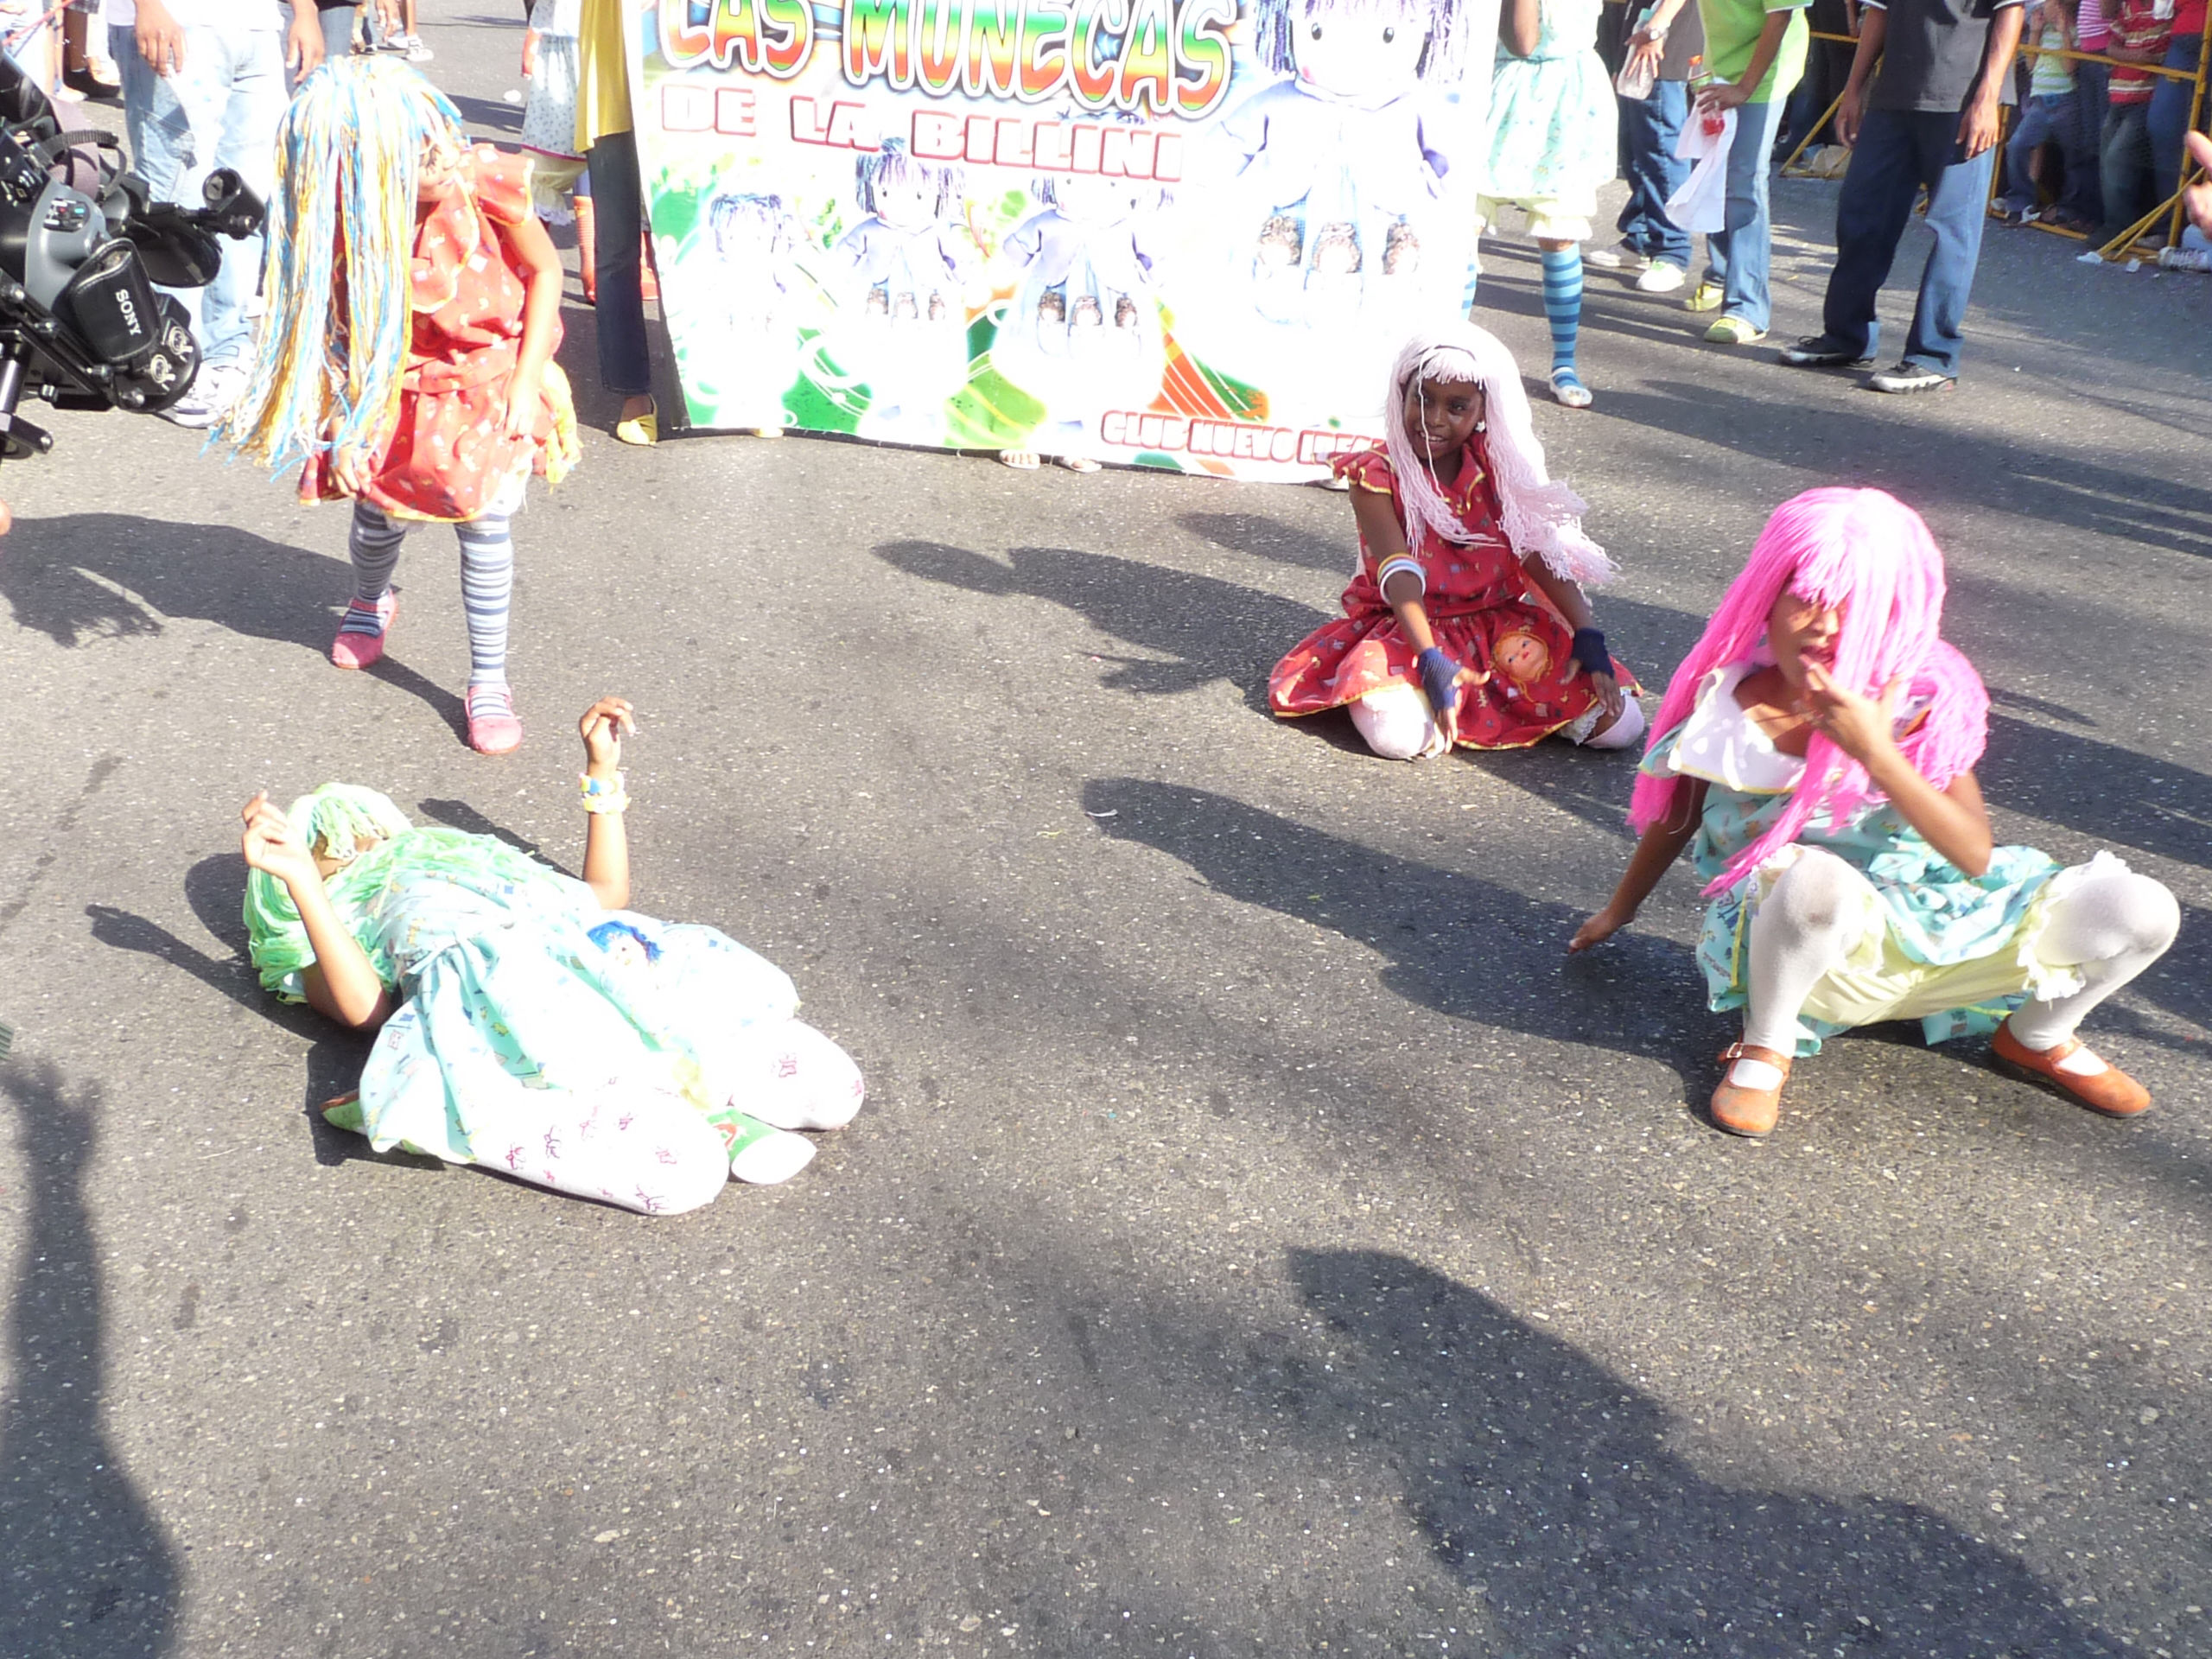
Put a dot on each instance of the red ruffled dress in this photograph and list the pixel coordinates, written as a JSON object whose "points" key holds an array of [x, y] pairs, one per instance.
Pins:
{"points": [[1480, 610], [448, 457]]}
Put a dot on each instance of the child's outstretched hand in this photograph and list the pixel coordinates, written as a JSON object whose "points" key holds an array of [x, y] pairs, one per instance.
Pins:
{"points": [[271, 845], [1595, 932], [603, 725]]}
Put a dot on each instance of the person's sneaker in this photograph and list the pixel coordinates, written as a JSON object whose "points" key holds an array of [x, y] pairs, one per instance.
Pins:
{"points": [[1706, 297], [413, 47], [494, 726], [1733, 331], [2185, 258], [1661, 277], [1621, 259], [1912, 377], [1819, 351], [213, 390]]}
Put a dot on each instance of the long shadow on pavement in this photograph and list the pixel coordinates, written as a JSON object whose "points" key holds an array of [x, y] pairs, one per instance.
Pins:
{"points": [[1930, 466], [1466, 947], [61, 577], [1206, 629], [86, 1566], [1548, 1482], [215, 888]]}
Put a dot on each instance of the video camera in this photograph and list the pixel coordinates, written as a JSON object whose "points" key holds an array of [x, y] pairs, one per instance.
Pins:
{"points": [[82, 247]]}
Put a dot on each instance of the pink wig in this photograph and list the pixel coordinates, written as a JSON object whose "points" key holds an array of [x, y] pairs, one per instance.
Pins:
{"points": [[1871, 555]]}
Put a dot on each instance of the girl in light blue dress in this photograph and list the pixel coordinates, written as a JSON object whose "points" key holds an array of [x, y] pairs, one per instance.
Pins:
{"points": [[1814, 754], [527, 1021], [1550, 142]]}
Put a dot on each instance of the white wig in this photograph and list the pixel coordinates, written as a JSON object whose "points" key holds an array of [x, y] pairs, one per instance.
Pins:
{"points": [[1541, 516]]}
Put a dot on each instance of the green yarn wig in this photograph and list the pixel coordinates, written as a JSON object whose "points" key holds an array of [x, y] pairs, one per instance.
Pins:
{"points": [[342, 246], [340, 820]]}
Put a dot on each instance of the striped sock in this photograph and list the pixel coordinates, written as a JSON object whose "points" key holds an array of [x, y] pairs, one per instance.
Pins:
{"points": [[374, 544], [487, 580], [1563, 303]]}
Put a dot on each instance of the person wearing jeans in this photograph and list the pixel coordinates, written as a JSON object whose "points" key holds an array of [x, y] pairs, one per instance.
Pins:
{"points": [[1931, 118], [2167, 118], [204, 87], [1654, 251], [2127, 165], [1756, 51]]}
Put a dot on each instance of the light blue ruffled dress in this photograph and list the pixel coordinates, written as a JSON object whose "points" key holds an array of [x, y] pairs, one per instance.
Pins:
{"points": [[1957, 952], [530, 1010], [1551, 135]]}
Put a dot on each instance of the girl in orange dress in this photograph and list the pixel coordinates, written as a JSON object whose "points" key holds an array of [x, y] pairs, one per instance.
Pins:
{"points": [[415, 306], [1466, 622]]}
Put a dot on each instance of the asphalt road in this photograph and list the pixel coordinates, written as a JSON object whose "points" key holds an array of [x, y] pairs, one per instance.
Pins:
{"points": [[1260, 1238]]}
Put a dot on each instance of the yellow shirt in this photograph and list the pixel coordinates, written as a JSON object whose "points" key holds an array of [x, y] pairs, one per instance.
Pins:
{"points": [[602, 73]]}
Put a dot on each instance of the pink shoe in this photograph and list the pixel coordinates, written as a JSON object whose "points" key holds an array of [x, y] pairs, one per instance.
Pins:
{"points": [[352, 650], [494, 726]]}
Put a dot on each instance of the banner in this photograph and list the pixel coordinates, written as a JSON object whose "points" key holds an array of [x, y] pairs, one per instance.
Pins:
{"points": [[1176, 233]]}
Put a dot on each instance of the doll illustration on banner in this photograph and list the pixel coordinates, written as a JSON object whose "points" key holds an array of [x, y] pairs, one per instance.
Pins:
{"points": [[911, 262], [742, 346], [1083, 333], [1338, 166]]}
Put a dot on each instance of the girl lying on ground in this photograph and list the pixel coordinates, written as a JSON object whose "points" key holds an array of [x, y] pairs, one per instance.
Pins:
{"points": [[1816, 753], [530, 1022], [1443, 639]]}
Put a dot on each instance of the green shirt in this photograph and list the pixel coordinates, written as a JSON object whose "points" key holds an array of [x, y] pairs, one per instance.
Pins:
{"points": [[1732, 31]]}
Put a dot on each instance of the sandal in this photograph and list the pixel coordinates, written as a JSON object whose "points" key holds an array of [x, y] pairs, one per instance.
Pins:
{"points": [[2109, 1090], [1745, 1111]]}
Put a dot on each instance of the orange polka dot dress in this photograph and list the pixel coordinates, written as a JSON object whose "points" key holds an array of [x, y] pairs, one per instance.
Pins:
{"points": [[448, 457], [1480, 607]]}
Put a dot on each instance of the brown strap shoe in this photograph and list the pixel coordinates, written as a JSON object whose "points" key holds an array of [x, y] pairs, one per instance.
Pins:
{"points": [[1748, 1111], [2111, 1091]]}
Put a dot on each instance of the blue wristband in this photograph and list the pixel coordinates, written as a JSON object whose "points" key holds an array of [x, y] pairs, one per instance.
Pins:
{"points": [[1440, 678], [1589, 650]]}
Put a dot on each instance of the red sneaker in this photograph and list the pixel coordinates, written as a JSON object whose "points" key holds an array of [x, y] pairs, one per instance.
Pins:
{"points": [[2111, 1091], [355, 650]]}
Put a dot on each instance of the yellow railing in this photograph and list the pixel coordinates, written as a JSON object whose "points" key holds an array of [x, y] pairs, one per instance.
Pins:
{"points": [[2169, 209]]}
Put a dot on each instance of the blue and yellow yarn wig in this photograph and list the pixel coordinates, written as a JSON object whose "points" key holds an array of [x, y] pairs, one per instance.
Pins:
{"points": [[341, 241]]}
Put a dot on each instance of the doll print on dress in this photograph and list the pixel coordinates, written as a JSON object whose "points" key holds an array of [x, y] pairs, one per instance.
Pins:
{"points": [[910, 264]]}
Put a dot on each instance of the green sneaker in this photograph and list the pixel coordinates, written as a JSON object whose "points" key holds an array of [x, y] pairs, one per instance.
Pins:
{"points": [[1706, 297], [1732, 331]]}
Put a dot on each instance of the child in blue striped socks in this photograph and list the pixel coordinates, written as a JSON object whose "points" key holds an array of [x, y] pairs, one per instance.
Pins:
{"points": [[414, 304], [1550, 142]]}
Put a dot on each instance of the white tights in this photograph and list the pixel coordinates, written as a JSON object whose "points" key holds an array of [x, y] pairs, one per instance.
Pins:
{"points": [[2109, 928], [654, 1151], [1395, 721]]}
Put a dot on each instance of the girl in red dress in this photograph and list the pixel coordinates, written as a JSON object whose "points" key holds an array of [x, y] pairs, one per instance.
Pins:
{"points": [[414, 303], [1466, 622]]}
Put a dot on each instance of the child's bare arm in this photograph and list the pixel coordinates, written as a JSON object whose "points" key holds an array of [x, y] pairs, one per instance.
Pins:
{"points": [[606, 844], [1662, 845], [539, 262], [340, 983]]}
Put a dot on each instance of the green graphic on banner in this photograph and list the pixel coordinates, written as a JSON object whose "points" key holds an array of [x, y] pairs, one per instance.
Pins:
{"points": [[1166, 233]]}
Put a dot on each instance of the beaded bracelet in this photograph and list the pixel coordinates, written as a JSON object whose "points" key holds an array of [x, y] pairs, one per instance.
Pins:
{"points": [[602, 796]]}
